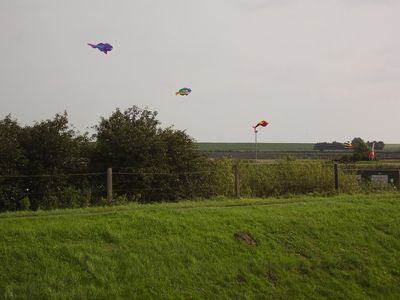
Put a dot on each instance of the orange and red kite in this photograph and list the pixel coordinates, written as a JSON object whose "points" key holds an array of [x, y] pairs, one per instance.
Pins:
{"points": [[262, 123]]}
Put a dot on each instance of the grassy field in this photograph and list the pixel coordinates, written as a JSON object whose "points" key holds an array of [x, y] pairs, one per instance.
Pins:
{"points": [[270, 147], [392, 147], [342, 247], [260, 146]]}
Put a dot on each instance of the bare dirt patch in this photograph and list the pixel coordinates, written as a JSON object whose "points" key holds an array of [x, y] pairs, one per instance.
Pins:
{"points": [[245, 238]]}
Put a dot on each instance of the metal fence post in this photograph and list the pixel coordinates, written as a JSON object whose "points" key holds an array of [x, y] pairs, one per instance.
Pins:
{"points": [[109, 185], [336, 171], [237, 181]]}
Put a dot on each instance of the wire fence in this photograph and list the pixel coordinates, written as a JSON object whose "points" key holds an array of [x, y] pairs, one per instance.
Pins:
{"points": [[228, 178], [375, 176], [47, 191]]}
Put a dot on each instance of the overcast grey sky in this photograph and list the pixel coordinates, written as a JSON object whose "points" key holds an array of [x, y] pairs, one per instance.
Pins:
{"points": [[316, 70]]}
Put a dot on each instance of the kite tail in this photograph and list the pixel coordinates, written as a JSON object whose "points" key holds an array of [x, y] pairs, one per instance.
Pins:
{"points": [[91, 45]]}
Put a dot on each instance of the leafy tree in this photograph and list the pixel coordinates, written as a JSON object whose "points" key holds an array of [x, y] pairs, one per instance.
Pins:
{"points": [[361, 150], [133, 141], [179, 150], [127, 140], [51, 147], [357, 141], [12, 157], [12, 160], [378, 145]]}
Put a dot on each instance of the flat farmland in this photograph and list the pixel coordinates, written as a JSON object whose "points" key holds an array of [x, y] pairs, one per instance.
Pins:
{"points": [[392, 147], [281, 150], [270, 147], [251, 146]]}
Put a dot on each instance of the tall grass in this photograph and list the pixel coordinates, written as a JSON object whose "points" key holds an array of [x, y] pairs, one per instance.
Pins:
{"points": [[289, 176]]}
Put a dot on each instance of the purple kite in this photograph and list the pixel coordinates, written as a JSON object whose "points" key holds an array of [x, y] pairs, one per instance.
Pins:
{"points": [[103, 47]]}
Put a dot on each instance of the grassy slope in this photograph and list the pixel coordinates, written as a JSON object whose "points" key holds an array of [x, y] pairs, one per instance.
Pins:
{"points": [[339, 247]]}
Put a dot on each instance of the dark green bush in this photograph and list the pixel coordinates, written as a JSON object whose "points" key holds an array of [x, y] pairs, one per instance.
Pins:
{"points": [[24, 203]]}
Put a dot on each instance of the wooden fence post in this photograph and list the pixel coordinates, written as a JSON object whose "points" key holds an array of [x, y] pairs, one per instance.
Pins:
{"points": [[336, 171], [109, 185], [398, 182], [237, 181]]}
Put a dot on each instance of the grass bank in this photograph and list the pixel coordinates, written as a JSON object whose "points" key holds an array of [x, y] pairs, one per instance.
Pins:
{"points": [[307, 247]]}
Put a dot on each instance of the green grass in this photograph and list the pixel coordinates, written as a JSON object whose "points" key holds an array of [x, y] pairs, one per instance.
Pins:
{"points": [[342, 247], [260, 146]]}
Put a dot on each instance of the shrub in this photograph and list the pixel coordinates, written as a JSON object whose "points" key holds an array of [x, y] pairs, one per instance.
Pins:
{"points": [[24, 203], [68, 197]]}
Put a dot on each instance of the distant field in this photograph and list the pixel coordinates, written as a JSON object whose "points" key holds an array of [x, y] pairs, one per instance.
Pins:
{"points": [[342, 247], [392, 147], [260, 146], [270, 147]]}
